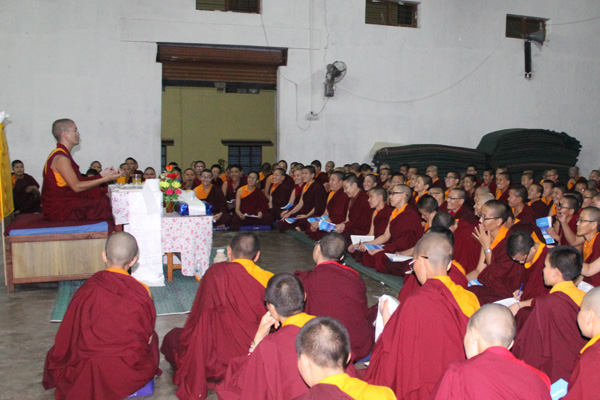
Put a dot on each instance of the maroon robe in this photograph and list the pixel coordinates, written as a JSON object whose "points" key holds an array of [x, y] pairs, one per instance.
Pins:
{"points": [[221, 325], [337, 291], [405, 232], [594, 280], [411, 283], [503, 276], [573, 225], [337, 208], [270, 372], [26, 203], [504, 196], [280, 197], [231, 191], [533, 279], [466, 248], [527, 215], [584, 382], [550, 339], [101, 350], [493, 374], [491, 186], [381, 220], [252, 204], [465, 214], [439, 183], [359, 216], [322, 178], [423, 336], [61, 203], [218, 183], [540, 209], [315, 198], [219, 205], [324, 391]]}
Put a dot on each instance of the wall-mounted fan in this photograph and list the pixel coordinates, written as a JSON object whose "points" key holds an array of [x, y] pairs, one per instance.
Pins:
{"points": [[335, 73]]}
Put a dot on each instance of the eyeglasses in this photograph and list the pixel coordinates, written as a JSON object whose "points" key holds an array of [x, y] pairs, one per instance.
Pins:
{"points": [[559, 207], [584, 220], [393, 193], [451, 177], [416, 258], [488, 218], [453, 198]]}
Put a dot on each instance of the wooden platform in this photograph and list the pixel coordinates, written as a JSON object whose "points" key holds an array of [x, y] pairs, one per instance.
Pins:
{"points": [[48, 258]]}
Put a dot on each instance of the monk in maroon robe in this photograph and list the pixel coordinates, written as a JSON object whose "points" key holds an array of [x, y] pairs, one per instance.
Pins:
{"points": [[279, 192], [379, 220], [213, 195], [564, 229], [226, 312], [521, 247], [466, 248], [66, 194], [270, 371], [403, 232], [456, 271], [407, 356], [584, 382], [323, 348], [588, 228], [432, 172], [358, 218], [550, 339], [498, 274], [251, 206], [320, 176], [231, 185], [491, 371], [337, 291], [336, 208], [26, 191], [106, 347], [312, 202], [458, 207]]}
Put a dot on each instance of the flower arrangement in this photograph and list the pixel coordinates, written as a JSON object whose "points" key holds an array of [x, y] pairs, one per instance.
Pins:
{"points": [[170, 185]]}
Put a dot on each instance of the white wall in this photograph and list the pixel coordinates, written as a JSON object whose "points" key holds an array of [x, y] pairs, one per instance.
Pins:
{"points": [[450, 81]]}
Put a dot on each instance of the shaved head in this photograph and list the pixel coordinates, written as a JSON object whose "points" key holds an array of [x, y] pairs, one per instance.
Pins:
{"points": [[495, 324], [325, 341], [591, 301], [121, 248], [61, 125], [438, 250], [245, 245]]}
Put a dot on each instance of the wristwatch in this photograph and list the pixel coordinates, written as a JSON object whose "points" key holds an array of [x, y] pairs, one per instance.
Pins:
{"points": [[487, 251]]}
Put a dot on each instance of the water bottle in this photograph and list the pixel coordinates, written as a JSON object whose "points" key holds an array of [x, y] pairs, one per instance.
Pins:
{"points": [[198, 270]]}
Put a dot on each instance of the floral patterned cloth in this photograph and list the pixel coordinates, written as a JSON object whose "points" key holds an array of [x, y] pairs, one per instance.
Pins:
{"points": [[189, 235]]}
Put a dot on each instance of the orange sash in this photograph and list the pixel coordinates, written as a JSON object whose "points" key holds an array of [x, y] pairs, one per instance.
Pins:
{"points": [[273, 187], [466, 300], [460, 267], [245, 192], [537, 255], [588, 247], [60, 181], [201, 193], [330, 196], [255, 271], [569, 288], [591, 342], [298, 320], [501, 235], [397, 212], [306, 187]]}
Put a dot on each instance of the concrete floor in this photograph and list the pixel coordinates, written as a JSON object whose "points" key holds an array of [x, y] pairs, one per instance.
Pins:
{"points": [[26, 334]]}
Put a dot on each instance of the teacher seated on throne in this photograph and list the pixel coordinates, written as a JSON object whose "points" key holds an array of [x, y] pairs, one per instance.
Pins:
{"points": [[66, 194]]}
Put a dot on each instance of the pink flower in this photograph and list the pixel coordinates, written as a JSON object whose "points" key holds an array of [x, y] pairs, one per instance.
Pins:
{"points": [[177, 191], [169, 191]]}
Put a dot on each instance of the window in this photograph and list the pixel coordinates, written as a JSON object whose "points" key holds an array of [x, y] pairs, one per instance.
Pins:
{"points": [[518, 26], [249, 157], [245, 6], [392, 13]]}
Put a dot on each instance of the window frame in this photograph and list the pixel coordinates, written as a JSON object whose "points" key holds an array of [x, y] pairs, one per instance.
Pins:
{"points": [[227, 7], [390, 3]]}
